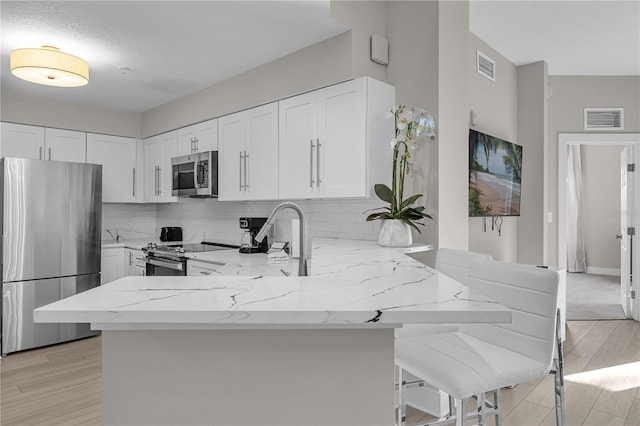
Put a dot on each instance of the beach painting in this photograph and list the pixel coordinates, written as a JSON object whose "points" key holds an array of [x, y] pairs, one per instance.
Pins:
{"points": [[495, 169]]}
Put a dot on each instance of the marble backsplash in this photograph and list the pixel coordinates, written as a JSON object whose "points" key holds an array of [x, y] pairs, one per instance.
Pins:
{"points": [[213, 220]]}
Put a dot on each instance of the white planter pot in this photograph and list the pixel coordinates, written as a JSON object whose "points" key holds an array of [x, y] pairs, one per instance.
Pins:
{"points": [[395, 233]]}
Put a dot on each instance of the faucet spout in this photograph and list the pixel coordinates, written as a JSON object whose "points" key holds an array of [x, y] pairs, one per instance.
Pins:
{"points": [[305, 241]]}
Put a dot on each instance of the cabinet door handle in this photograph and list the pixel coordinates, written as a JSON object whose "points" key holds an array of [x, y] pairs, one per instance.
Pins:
{"points": [[311, 146], [318, 163], [49, 153], [159, 180], [246, 184], [205, 273], [133, 188], [130, 258], [40, 153], [240, 172]]}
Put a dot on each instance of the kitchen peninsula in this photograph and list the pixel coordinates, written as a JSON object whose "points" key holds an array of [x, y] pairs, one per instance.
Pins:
{"points": [[256, 349]]}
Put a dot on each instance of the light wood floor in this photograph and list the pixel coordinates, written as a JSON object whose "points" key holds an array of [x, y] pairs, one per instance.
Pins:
{"points": [[62, 384]]}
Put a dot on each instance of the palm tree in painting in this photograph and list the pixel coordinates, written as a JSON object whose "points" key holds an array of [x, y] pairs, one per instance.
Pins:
{"points": [[513, 160]]}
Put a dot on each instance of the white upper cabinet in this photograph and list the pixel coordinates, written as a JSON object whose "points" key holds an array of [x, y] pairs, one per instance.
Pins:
{"points": [[39, 143], [333, 140], [120, 171], [158, 152], [65, 145], [21, 141], [198, 137], [248, 154], [298, 133]]}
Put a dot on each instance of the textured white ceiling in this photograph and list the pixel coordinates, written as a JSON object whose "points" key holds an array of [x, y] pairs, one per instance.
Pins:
{"points": [[171, 48], [174, 48], [574, 37]]}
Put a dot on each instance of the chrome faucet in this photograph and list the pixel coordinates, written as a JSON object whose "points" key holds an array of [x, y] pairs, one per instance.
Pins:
{"points": [[305, 241]]}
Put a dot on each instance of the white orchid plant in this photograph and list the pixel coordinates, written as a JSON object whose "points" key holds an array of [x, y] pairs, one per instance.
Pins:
{"points": [[412, 125]]}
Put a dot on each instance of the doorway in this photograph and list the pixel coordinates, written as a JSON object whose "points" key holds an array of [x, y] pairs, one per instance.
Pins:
{"points": [[597, 286]]}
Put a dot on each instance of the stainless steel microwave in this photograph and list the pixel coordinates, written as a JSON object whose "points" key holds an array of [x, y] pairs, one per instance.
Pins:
{"points": [[195, 175]]}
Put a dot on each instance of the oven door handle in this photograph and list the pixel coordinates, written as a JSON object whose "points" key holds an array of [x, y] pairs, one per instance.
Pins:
{"points": [[169, 265]]}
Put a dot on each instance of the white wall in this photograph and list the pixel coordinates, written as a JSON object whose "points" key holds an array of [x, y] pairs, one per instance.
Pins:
{"points": [[453, 112], [412, 27], [495, 104], [316, 66], [569, 96], [18, 108], [532, 135], [601, 205]]}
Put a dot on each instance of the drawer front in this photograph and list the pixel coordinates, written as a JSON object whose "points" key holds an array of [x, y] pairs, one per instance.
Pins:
{"points": [[200, 269]]}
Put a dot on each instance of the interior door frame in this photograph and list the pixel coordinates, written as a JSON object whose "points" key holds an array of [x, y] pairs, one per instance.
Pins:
{"points": [[564, 140]]}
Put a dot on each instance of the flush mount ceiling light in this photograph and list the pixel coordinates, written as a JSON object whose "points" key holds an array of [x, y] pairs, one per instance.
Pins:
{"points": [[48, 65]]}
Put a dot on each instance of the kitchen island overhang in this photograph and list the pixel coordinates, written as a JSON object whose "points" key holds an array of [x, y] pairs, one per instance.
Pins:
{"points": [[258, 349]]}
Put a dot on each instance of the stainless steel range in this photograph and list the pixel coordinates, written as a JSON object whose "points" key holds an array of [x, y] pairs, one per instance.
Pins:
{"points": [[170, 259]]}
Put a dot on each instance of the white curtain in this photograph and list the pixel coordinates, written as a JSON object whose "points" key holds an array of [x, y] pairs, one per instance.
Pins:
{"points": [[575, 240]]}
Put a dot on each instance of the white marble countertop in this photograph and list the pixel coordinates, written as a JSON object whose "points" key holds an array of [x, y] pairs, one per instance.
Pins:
{"points": [[351, 284]]}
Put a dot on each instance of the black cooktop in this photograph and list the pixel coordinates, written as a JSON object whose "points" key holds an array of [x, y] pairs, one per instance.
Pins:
{"points": [[179, 248], [205, 246]]}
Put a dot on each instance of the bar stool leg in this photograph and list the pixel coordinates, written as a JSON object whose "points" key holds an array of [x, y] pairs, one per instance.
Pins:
{"points": [[401, 412], [461, 412]]}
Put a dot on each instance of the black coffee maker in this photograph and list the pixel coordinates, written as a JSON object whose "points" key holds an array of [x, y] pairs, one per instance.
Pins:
{"points": [[248, 243]]}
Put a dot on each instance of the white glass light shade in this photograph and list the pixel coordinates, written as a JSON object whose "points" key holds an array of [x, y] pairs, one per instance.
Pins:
{"points": [[48, 65]]}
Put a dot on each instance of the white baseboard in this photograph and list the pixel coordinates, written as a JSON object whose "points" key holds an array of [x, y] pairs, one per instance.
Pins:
{"points": [[603, 271]]}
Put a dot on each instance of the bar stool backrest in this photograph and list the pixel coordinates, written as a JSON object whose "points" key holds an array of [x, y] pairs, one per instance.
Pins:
{"points": [[532, 293]]}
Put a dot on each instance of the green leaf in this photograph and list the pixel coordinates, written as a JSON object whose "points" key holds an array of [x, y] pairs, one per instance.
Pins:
{"points": [[376, 216], [409, 201], [383, 192], [413, 225], [378, 208]]}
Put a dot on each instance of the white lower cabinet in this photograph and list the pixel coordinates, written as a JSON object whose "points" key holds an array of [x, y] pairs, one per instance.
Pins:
{"points": [[202, 269], [111, 264], [134, 263]]}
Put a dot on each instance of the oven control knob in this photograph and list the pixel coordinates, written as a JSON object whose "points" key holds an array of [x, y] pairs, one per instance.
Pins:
{"points": [[180, 250]]}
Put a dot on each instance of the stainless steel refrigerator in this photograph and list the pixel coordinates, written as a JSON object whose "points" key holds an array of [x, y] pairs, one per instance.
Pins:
{"points": [[51, 220]]}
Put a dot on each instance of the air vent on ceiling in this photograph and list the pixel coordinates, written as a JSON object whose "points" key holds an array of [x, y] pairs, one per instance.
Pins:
{"points": [[485, 66], [604, 118]]}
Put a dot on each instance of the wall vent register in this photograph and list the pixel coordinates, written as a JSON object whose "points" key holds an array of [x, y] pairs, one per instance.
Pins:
{"points": [[485, 66], [604, 118]]}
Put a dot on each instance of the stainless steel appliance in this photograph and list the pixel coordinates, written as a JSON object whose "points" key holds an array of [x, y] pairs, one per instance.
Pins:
{"points": [[195, 175], [171, 260], [252, 226], [51, 224]]}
